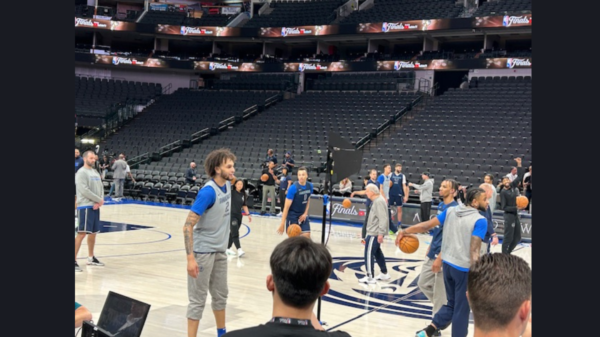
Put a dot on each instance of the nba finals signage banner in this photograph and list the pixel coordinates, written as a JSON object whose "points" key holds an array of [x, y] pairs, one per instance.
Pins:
{"points": [[317, 66], [503, 21], [485, 63], [225, 66], [104, 24], [410, 214], [197, 31], [298, 31], [438, 24], [131, 61]]}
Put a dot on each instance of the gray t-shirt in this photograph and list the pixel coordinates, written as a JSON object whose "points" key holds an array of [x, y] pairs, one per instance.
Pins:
{"points": [[211, 233], [89, 187]]}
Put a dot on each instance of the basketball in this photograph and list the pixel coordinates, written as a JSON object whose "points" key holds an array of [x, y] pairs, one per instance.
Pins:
{"points": [[264, 178], [409, 244], [391, 183], [346, 203], [522, 202], [294, 230]]}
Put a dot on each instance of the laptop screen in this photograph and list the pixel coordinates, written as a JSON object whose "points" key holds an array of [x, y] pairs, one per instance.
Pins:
{"points": [[123, 316]]}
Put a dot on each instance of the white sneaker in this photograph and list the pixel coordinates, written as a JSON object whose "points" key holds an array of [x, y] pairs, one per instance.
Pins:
{"points": [[383, 277], [230, 252], [367, 279], [241, 252]]}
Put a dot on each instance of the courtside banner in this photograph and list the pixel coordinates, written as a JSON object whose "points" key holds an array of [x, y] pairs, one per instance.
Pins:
{"points": [[298, 31], [104, 24], [131, 61], [503, 21], [225, 66], [410, 214], [197, 31], [309, 67]]}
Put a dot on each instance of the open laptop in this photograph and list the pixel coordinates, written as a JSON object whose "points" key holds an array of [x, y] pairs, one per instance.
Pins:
{"points": [[121, 316]]}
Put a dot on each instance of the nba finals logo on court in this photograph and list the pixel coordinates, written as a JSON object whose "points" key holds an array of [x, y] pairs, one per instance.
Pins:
{"points": [[399, 295]]}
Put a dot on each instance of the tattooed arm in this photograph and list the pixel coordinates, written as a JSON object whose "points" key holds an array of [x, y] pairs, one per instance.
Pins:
{"points": [[475, 248], [188, 237]]}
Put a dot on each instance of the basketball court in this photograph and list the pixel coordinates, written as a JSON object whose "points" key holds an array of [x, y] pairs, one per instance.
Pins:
{"points": [[143, 249]]}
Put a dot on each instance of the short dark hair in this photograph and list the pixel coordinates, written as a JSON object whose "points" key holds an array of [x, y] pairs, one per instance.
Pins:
{"points": [[302, 168], [398, 165], [453, 184], [386, 165], [472, 194], [497, 286], [88, 153], [300, 268], [491, 176], [215, 159]]}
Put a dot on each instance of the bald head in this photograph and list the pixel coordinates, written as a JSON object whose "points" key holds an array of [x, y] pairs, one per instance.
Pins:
{"points": [[488, 190]]}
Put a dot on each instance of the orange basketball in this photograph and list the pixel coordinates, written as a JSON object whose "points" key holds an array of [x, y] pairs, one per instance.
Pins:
{"points": [[522, 202], [346, 203], [409, 244], [294, 230], [264, 177]]}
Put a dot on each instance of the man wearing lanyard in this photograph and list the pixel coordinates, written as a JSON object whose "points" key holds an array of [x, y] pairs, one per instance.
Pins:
{"points": [[300, 269]]}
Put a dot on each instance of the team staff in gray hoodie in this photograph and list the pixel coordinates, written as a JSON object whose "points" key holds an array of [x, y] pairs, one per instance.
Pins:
{"points": [[426, 191], [463, 229]]}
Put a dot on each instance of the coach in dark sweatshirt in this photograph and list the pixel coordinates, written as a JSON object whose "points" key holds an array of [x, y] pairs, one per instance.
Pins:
{"points": [[508, 203]]}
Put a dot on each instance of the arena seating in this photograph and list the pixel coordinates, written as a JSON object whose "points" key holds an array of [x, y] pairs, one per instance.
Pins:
{"points": [[216, 20], [380, 81], [257, 82], [503, 7], [395, 10], [463, 134], [177, 116], [94, 96], [305, 13]]}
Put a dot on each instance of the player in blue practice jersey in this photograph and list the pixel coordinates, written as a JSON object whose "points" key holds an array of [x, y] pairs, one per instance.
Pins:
{"points": [[297, 201]]}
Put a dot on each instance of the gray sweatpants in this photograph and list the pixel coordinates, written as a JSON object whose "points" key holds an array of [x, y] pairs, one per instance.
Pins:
{"points": [[212, 277], [271, 190], [432, 285]]}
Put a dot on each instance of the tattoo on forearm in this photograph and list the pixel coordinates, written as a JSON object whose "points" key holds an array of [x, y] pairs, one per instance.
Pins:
{"points": [[475, 248], [188, 238]]}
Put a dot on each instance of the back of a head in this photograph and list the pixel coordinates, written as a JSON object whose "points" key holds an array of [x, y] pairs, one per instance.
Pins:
{"points": [[300, 268], [498, 284]]}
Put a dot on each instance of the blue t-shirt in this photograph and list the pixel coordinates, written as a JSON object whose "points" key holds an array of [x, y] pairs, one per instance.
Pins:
{"points": [[288, 160], [300, 196], [490, 224], [436, 240], [78, 163], [205, 199], [479, 230], [376, 183], [283, 181]]}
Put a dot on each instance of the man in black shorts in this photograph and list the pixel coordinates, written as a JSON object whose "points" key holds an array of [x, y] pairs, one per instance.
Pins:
{"points": [[300, 269]]}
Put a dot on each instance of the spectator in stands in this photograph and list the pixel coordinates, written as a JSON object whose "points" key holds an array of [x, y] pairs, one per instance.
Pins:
{"points": [[426, 195], [104, 165], [190, 174], [81, 314], [501, 281], [513, 174], [268, 188], [345, 187], [120, 170], [489, 179], [288, 162], [271, 157]]}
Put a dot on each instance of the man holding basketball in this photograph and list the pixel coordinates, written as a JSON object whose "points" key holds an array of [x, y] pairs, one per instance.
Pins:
{"points": [[297, 202], [377, 228], [268, 188], [431, 279], [463, 228], [206, 234]]}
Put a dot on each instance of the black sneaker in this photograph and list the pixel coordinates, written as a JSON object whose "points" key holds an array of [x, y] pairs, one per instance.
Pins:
{"points": [[437, 333], [77, 268], [93, 261]]}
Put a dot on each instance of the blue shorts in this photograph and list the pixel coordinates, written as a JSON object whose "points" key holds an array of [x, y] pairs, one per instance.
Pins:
{"points": [[293, 219], [89, 220], [395, 200]]}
